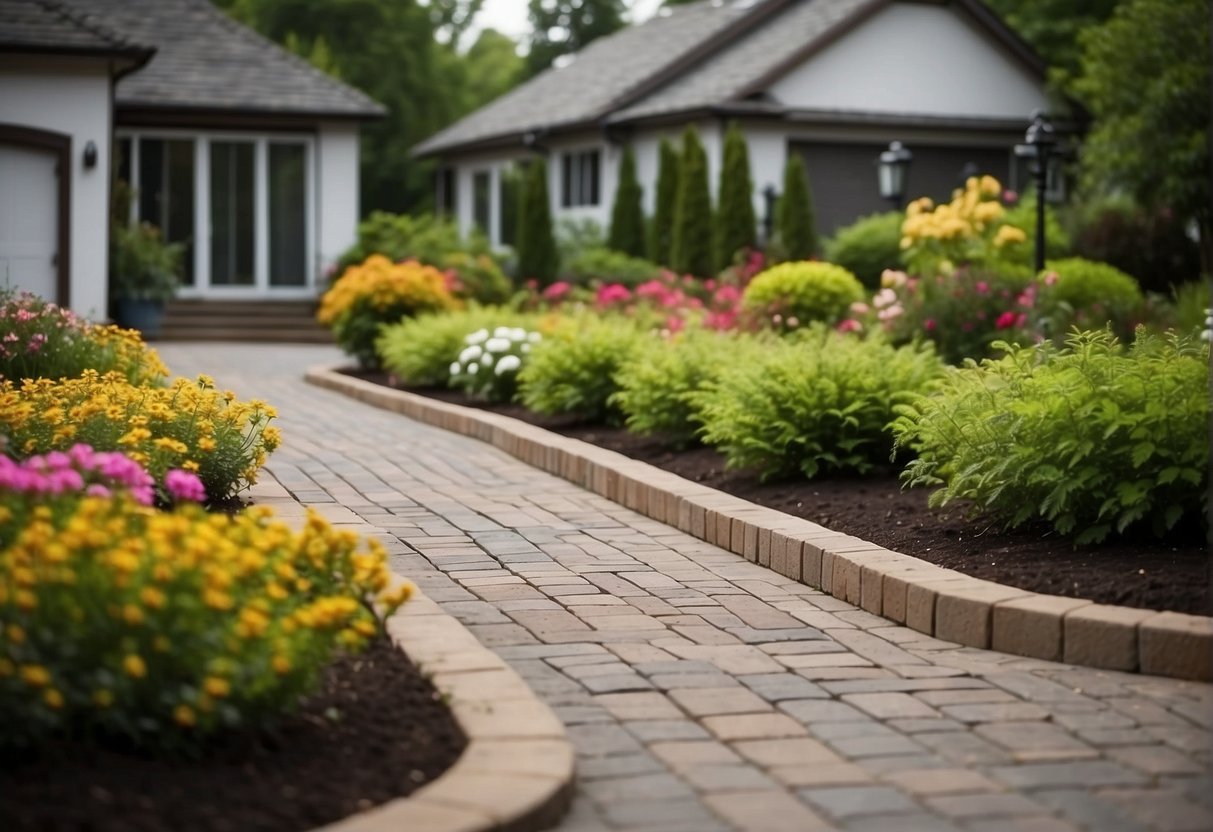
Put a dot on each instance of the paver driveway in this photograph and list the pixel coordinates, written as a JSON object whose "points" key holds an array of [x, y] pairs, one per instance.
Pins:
{"points": [[705, 692]]}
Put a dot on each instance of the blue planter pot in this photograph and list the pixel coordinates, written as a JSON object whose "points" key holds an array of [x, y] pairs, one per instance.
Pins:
{"points": [[143, 315]]}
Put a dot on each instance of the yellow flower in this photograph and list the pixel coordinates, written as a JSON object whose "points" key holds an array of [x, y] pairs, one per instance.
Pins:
{"points": [[52, 698], [134, 666], [132, 615], [103, 698], [15, 634], [281, 665], [217, 687], [184, 716], [1008, 234], [35, 675]]}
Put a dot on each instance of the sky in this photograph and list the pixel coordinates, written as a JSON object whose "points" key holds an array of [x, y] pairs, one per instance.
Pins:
{"points": [[509, 16]]}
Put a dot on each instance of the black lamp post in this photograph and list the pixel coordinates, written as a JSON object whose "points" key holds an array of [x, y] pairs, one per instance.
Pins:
{"points": [[1039, 142], [768, 218], [893, 168]]}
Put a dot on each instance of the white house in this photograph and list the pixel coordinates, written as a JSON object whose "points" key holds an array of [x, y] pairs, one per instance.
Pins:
{"points": [[238, 149], [833, 80]]}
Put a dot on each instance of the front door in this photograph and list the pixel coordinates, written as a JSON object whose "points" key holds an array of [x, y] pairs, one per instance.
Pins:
{"points": [[29, 221]]}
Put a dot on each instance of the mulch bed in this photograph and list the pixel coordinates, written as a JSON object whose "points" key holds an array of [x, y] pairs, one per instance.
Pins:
{"points": [[376, 730], [1137, 571]]}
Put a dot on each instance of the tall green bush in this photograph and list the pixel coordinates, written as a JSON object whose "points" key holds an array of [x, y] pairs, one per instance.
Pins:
{"points": [[627, 215], [691, 246], [735, 222], [537, 256], [868, 246], [794, 219], [666, 198]]}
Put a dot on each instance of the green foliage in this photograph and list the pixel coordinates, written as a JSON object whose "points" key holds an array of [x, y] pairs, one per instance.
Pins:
{"points": [[1089, 438], [654, 394], [1145, 80], [477, 278], [627, 215], [493, 67], [661, 236], [736, 228], [575, 237], [691, 238], [868, 246], [562, 27], [573, 370], [537, 256], [488, 363], [419, 351], [794, 222], [813, 404], [1191, 301], [141, 265], [423, 237], [1087, 295], [609, 266], [1053, 27], [1023, 215], [795, 293]]}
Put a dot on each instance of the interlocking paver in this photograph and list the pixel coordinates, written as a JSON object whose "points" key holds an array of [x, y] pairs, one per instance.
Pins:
{"points": [[703, 691]]}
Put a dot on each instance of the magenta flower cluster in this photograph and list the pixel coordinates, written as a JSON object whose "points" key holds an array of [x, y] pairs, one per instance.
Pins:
{"points": [[94, 473]]}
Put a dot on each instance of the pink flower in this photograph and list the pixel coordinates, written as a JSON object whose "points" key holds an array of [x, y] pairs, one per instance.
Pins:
{"points": [[981, 287], [612, 293], [557, 290], [675, 324], [182, 485], [1006, 320], [929, 325], [850, 325], [1050, 278]]}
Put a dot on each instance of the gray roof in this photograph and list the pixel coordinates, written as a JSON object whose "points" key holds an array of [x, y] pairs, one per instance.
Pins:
{"points": [[207, 61], [50, 27]]}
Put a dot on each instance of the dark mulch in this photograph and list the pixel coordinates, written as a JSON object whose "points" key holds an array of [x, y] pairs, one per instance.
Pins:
{"points": [[1136, 572], [375, 731]]}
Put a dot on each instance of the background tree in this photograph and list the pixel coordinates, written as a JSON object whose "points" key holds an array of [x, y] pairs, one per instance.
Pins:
{"points": [[627, 214], [691, 245], [736, 227], [1145, 80], [666, 198], [537, 256], [1053, 27], [491, 67], [794, 221], [561, 27]]}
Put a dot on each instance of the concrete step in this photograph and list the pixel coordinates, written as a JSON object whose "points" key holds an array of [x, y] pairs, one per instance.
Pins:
{"points": [[281, 321]]}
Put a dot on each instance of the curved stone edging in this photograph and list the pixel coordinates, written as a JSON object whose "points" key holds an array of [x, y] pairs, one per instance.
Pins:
{"points": [[936, 601]]}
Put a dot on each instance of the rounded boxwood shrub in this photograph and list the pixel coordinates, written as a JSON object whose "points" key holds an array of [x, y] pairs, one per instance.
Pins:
{"points": [[868, 246], [1075, 292], [794, 294]]}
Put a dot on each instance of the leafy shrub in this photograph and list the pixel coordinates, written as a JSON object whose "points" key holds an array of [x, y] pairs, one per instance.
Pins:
{"points": [[603, 264], [1089, 438], [161, 628], [189, 425], [573, 371], [1023, 215], [796, 293], [815, 403], [141, 265], [575, 237], [44, 340], [1077, 292], [419, 351], [1191, 302], [868, 246], [654, 394], [424, 237], [489, 362], [375, 293], [477, 278]]}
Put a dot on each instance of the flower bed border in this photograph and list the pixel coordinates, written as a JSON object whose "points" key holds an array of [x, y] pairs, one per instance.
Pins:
{"points": [[930, 599], [516, 773]]}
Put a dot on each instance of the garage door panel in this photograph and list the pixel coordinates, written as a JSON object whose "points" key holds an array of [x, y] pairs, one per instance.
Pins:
{"points": [[28, 220]]}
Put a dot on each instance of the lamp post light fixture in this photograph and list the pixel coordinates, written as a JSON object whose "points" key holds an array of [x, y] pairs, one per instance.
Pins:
{"points": [[1039, 144], [893, 168], [768, 218]]}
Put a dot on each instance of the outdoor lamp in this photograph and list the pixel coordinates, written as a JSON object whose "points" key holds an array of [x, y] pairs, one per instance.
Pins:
{"points": [[893, 166], [768, 219], [1039, 142]]}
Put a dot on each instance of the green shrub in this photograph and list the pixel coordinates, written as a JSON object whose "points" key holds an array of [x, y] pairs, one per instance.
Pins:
{"points": [[661, 235], [868, 246], [142, 265], [736, 228], [1191, 302], [419, 351], [477, 277], [423, 237], [1023, 215], [575, 237], [816, 403], [797, 293], [489, 362], [608, 266], [1089, 295], [794, 221], [691, 237], [573, 370], [654, 393], [1089, 438], [627, 215], [538, 258]]}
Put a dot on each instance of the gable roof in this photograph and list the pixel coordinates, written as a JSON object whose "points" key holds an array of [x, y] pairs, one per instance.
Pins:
{"points": [[706, 56], [205, 61], [47, 27]]}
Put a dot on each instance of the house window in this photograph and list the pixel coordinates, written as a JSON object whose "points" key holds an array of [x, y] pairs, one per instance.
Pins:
{"points": [[165, 196], [482, 205], [579, 176], [446, 191], [288, 213]]}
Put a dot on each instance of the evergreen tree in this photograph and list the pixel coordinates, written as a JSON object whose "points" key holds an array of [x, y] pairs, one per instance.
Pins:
{"points": [[662, 232], [627, 215], [735, 223], [562, 27], [794, 221], [537, 256], [691, 246]]}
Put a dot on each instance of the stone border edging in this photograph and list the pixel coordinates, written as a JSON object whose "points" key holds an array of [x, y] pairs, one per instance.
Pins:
{"points": [[930, 599]]}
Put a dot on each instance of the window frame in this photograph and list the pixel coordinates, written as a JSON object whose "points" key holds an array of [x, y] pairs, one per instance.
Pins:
{"points": [[581, 178]]}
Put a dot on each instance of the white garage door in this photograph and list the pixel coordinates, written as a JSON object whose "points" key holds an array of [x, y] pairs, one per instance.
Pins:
{"points": [[28, 220]]}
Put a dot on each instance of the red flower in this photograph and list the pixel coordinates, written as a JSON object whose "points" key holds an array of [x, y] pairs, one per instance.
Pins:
{"points": [[1007, 320]]}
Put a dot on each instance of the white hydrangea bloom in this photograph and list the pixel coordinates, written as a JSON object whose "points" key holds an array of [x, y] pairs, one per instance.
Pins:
{"points": [[508, 363], [477, 337], [470, 354], [525, 348], [498, 344], [534, 337], [456, 368], [517, 333], [473, 368], [487, 359], [501, 332]]}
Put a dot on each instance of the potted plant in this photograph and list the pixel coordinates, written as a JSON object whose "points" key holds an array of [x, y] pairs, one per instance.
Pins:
{"points": [[145, 271]]}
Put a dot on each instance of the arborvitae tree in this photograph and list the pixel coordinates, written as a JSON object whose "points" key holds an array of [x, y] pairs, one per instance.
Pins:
{"points": [[627, 215], [735, 223], [537, 256], [691, 247], [661, 236], [794, 217]]}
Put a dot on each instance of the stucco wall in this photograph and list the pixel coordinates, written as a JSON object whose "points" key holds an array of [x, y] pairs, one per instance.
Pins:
{"points": [[337, 209], [73, 100]]}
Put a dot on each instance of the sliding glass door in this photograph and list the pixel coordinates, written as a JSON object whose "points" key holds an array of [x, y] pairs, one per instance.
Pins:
{"points": [[233, 219]]}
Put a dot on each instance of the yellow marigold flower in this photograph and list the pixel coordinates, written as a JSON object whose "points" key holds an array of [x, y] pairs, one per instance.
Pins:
{"points": [[990, 186], [103, 698], [280, 664], [184, 716], [152, 597], [35, 675], [134, 666], [191, 465], [217, 600], [1008, 234], [15, 634], [217, 687], [206, 444], [52, 698], [132, 615], [26, 600]]}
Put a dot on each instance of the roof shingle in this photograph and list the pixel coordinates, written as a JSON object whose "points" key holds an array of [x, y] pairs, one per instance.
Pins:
{"points": [[47, 26]]}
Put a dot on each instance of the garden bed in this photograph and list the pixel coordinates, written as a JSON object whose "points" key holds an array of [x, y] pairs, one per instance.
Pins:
{"points": [[1137, 572], [376, 730]]}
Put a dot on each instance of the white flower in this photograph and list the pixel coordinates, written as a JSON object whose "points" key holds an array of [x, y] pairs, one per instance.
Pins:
{"points": [[473, 368], [456, 368], [517, 334], [507, 363], [884, 298], [501, 332], [487, 359], [534, 337], [525, 348], [470, 354], [498, 344], [477, 337]]}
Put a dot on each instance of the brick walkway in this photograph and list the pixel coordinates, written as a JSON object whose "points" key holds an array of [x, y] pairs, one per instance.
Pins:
{"points": [[704, 692]]}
